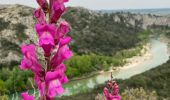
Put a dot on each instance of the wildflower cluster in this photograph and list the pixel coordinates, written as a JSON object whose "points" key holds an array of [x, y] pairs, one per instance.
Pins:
{"points": [[54, 42], [111, 91]]}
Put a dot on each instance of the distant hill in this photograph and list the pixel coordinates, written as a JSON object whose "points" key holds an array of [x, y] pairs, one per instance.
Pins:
{"points": [[160, 11], [92, 32]]}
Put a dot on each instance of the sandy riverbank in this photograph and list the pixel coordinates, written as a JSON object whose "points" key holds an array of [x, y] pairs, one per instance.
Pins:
{"points": [[131, 62], [136, 60]]}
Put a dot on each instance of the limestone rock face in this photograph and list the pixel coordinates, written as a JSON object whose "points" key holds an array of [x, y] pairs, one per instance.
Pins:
{"points": [[16, 28]]}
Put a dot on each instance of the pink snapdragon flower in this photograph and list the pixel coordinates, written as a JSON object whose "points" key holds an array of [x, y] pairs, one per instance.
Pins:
{"points": [[43, 4], [54, 81], [61, 32], [54, 89], [40, 15], [114, 93], [46, 33], [25, 96], [63, 54], [40, 84], [64, 41], [54, 42], [30, 60], [63, 29], [58, 9]]}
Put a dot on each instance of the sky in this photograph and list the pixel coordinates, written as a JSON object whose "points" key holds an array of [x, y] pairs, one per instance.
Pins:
{"points": [[102, 4]]}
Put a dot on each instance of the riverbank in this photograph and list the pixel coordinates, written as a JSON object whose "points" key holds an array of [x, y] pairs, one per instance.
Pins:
{"points": [[144, 55], [150, 80], [136, 60]]}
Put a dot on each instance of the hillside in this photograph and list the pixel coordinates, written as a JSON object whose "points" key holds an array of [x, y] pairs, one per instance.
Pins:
{"points": [[156, 79], [92, 32], [155, 11]]}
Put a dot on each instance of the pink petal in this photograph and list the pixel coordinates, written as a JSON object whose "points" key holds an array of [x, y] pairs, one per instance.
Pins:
{"points": [[46, 34], [47, 43], [61, 67], [30, 60], [40, 15], [26, 64], [25, 96], [63, 29], [43, 4], [60, 1], [106, 93], [53, 75], [63, 54], [54, 89], [64, 41], [118, 97], [60, 90], [57, 10], [47, 28], [64, 79], [29, 50], [42, 88], [41, 85]]}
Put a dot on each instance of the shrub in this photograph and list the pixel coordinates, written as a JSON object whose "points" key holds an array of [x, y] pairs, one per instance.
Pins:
{"points": [[3, 24], [19, 29]]}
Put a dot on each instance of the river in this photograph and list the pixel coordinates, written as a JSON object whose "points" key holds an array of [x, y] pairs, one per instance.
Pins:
{"points": [[159, 52]]}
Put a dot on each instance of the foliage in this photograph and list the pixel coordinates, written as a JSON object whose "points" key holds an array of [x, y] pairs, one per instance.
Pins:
{"points": [[14, 80], [156, 79], [128, 94], [159, 29], [144, 34], [3, 24], [133, 94], [87, 63], [24, 14], [138, 94], [155, 83], [8, 45], [3, 89], [100, 33], [19, 29], [4, 97]]}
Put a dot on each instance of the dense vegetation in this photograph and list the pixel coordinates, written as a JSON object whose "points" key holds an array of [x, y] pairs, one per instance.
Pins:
{"points": [[128, 94], [14, 80], [100, 33], [156, 79], [3, 24], [87, 63], [20, 31]]}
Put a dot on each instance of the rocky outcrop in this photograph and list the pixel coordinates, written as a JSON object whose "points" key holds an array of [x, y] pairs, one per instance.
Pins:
{"points": [[16, 28]]}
